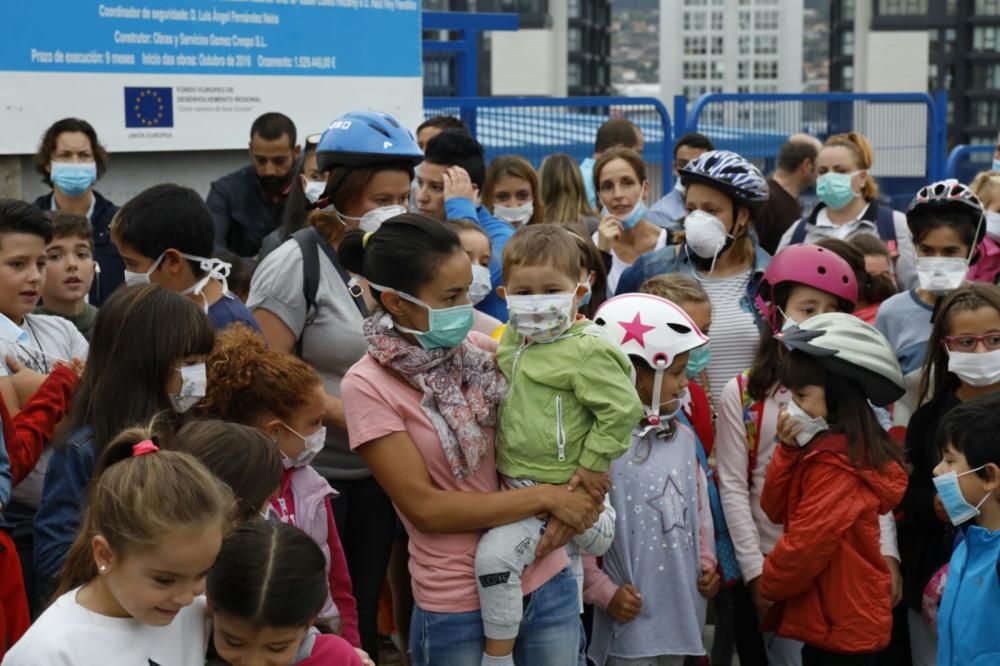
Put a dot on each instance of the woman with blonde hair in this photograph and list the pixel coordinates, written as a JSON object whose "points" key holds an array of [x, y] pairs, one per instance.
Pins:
{"points": [[849, 204], [564, 194], [511, 191], [986, 186]]}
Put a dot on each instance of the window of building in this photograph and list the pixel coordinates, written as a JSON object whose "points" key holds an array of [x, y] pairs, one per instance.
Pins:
{"points": [[744, 45], [696, 70], [744, 20], [847, 10], [986, 38], [847, 77], [743, 70], [765, 44], [986, 112], [766, 20], [987, 8], [717, 20], [697, 45], [574, 39], [573, 8], [986, 76], [717, 45], [950, 38], [847, 43], [695, 3], [902, 7], [765, 69], [718, 70], [695, 20], [573, 74]]}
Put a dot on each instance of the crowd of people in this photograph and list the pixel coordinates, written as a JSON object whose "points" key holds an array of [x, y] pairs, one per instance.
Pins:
{"points": [[376, 385]]}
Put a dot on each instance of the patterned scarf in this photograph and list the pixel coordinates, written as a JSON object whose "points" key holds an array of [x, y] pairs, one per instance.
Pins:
{"points": [[462, 388]]}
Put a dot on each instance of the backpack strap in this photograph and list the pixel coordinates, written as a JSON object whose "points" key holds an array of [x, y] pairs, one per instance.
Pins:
{"points": [[885, 225], [799, 234], [753, 416], [310, 243]]}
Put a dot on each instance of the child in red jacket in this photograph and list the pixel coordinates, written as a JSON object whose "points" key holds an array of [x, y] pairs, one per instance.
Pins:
{"points": [[834, 473]]}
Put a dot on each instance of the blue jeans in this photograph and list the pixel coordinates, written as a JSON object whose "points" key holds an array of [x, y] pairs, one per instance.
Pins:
{"points": [[549, 633]]}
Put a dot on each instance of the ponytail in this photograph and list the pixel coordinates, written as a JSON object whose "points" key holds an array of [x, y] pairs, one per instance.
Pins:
{"points": [[138, 496]]}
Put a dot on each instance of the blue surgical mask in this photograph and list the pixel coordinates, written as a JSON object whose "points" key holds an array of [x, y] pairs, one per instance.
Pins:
{"points": [[955, 505], [835, 189], [586, 297], [635, 216], [73, 178], [996, 165], [447, 327], [698, 360]]}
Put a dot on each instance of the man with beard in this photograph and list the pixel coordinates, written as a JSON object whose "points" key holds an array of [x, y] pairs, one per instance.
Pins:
{"points": [[247, 204]]}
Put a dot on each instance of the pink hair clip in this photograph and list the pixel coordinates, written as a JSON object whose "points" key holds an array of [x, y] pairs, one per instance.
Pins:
{"points": [[144, 447]]}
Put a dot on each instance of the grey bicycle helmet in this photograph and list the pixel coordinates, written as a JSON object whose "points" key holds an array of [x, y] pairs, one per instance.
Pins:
{"points": [[848, 347], [942, 198], [727, 171]]}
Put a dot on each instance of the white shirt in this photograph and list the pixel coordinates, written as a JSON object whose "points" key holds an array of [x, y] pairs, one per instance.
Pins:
{"points": [[618, 266], [50, 339], [68, 634]]}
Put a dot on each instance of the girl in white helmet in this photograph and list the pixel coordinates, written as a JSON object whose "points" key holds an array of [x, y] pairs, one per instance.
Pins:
{"points": [[658, 575], [834, 472]]}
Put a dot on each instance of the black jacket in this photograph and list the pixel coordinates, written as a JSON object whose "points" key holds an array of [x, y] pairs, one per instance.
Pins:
{"points": [[112, 267], [925, 543], [242, 212]]}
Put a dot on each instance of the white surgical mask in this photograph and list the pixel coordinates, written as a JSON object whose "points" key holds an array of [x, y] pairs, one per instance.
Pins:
{"points": [[976, 369], [705, 235], [788, 323], [514, 215], [194, 382], [139, 279], [215, 269], [373, 219], [543, 317], [993, 225], [314, 190], [939, 275], [481, 285], [811, 426], [314, 444]]}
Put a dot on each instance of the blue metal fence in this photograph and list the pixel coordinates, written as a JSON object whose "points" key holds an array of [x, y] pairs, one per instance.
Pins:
{"points": [[451, 66], [907, 130], [965, 162], [536, 127]]}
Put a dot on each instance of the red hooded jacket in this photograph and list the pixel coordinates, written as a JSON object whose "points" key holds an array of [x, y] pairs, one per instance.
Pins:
{"points": [[826, 567]]}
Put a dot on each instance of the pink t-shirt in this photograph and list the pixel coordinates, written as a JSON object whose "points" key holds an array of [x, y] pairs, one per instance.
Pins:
{"points": [[377, 404]]}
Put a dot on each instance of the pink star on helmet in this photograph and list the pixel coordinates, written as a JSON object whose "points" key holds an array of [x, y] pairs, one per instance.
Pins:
{"points": [[635, 330]]}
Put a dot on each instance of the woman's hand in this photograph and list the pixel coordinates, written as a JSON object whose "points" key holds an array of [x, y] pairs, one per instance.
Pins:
{"points": [[608, 233], [897, 579], [577, 509], [788, 428], [458, 184], [26, 381], [557, 534], [626, 605]]}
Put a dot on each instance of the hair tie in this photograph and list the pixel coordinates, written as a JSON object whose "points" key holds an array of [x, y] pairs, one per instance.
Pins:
{"points": [[364, 240], [143, 448]]}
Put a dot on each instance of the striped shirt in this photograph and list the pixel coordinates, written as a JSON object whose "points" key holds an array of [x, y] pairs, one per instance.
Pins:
{"points": [[733, 334]]}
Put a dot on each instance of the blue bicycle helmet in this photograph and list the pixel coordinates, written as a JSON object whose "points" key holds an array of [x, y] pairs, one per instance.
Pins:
{"points": [[728, 172], [364, 138]]}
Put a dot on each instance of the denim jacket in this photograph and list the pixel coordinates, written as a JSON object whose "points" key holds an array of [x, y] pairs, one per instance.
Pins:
{"points": [[63, 496], [674, 259]]}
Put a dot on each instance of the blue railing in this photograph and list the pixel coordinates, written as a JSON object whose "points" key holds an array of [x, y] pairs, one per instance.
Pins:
{"points": [[907, 130], [536, 127], [451, 67], [965, 162]]}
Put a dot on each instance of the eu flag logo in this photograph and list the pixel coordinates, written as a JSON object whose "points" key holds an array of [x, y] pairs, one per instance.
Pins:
{"points": [[149, 107]]}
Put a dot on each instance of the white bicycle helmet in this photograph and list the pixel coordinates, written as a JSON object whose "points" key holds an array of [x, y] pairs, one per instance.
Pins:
{"points": [[848, 347], [653, 329]]}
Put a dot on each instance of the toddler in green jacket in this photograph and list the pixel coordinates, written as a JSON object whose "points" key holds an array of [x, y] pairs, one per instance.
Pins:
{"points": [[570, 409]]}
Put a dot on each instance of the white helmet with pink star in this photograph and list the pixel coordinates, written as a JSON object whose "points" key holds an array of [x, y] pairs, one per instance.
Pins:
{"points": [[653, 329]]}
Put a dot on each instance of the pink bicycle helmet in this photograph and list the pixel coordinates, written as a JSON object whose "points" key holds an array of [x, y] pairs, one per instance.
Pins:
{"points": [[811, 266]]}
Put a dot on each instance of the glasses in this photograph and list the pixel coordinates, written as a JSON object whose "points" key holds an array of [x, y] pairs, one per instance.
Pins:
{"points": [[969, 343]]}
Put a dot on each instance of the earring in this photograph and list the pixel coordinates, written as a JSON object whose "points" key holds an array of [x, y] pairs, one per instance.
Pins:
{"points": [[103, 568]]}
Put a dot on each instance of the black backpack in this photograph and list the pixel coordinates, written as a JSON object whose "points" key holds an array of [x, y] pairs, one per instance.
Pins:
{"points": [[310, 243]]}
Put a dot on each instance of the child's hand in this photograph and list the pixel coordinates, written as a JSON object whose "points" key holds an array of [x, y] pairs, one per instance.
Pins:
{"points": [[25, 380], [788, 428], [709, 583], [897, 579], [365, 659], [597, 484], [609, 231], [458, 184], [760, 603], [626, 605]]}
